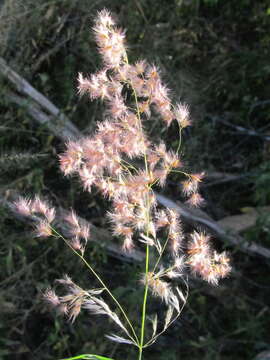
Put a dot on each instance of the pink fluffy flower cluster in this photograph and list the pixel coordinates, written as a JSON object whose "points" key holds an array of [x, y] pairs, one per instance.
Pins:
{"points": [[122, 162], [107, 159], [43, 215]]}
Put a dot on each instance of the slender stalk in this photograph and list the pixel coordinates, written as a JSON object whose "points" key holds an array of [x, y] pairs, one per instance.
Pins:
{"points": [[180, 139], [144, 304], [161, 253], [129, 165], [135, 339], [141, 344]]}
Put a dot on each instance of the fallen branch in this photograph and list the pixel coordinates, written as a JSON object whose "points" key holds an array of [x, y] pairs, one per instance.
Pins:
{"points": [[256, 104], [23, 87], [216, 178], [243, 222], [241, 129], [60, 129]]}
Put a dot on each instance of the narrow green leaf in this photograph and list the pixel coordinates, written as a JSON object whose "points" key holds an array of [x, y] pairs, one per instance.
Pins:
{"points": [[88, 357]]}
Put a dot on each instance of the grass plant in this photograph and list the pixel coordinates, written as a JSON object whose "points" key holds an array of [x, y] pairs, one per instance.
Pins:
{"points": [[215, 55], [122, 162]]}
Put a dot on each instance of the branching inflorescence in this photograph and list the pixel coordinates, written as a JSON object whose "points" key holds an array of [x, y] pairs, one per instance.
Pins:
{"points": [[108, 161]]}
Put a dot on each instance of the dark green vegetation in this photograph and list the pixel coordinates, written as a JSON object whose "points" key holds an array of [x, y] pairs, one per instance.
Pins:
{"points": [[215, 56]]}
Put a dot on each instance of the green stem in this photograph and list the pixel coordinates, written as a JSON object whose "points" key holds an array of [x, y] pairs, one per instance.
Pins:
{"points": [[147, 233], [180, 139], [129, 165], [144, 303], [102, 283]]}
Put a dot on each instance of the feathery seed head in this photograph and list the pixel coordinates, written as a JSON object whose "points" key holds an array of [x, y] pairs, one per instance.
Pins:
{"points": [[181, 113], [104, 18], [42, 207], [128, 244], [77, 245], [72, 219], [23, 206], [221, 264], [140, 66], [189, 187], [87, 178], [51, 298], [179, 262], [110, 40], [199, 244], [159, 288], [171, 160], [195, 200], [71, 159], [84, 84], [43, 229], [162, 219], [77, 229]]}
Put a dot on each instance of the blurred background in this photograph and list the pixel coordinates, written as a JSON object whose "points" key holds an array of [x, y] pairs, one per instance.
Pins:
{"points": [[214, 55]]}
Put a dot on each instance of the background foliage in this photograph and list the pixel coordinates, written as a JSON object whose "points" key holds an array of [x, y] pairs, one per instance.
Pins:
{"points": [[215, 56]]}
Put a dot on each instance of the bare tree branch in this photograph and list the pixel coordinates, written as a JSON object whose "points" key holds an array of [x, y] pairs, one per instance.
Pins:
{"points": [[216, 178], [23, 87], [60, 129], [241, 129]]}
